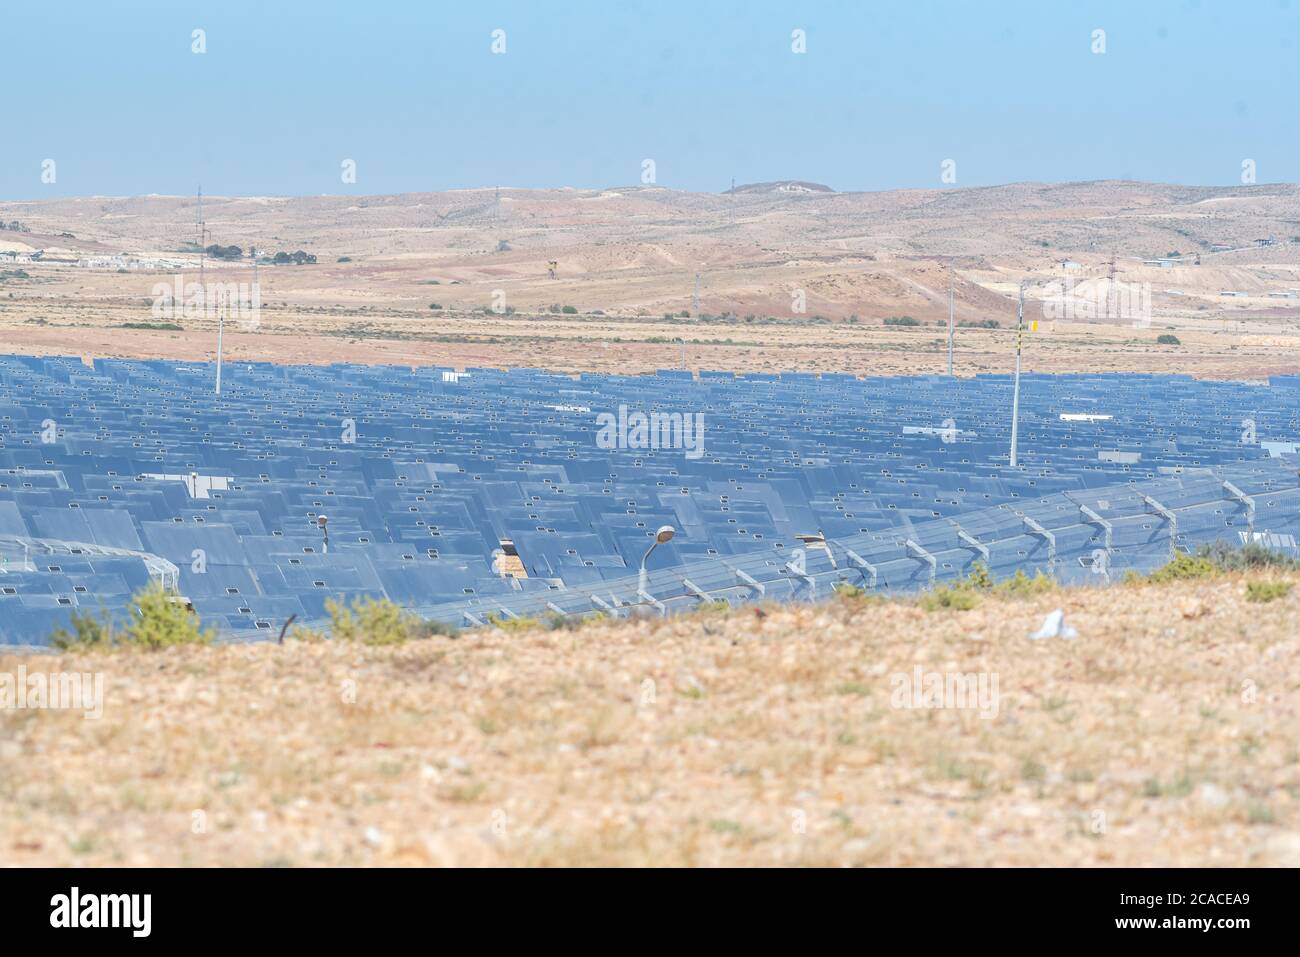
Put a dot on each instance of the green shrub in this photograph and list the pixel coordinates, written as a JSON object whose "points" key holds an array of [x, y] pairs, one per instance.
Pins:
{"points": [[1249, 557], [570, 310], [964, 594], [158, 618], [1168, 339], [89, 631], [518, 623], [956, 597], [979, 577], [1183, 566], [380, 622], [555, 621], [1220, 558], [716, 606], [901, 321], [1262, 592], [1021, 585]]}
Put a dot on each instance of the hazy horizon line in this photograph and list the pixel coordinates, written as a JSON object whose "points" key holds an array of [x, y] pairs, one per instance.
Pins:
{"points": [[652, 187]]}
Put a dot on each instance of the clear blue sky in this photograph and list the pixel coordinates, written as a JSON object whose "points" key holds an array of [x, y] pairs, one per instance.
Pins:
{"points": [[709, 89]]}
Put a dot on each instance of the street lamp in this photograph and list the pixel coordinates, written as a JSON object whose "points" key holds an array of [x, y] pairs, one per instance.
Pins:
{"points": [[320, 523], [665, 534]]}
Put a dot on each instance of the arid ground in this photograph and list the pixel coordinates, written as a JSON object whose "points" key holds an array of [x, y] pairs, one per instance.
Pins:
{"points": [[1166, 733], [786, 281]]}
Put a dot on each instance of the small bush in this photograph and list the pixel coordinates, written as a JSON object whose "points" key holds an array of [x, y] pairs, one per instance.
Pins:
{"points": [[570, 310], [717, 606], [558, 622], [979, 577], [851, 592], [1182, 567], [1168, 339], [89, 631], [956, 598], [156, 618], [1249, 557], [1021, 585], [159, 618], [1220, 558], [436, 306], [380, 622], [901, 321], [1263, 592], [519, 623]]}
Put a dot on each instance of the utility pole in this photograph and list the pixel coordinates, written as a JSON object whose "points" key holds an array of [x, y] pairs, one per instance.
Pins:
{"points": [[950, 319], [1015, 395], [1110, 288], [221, 328]]}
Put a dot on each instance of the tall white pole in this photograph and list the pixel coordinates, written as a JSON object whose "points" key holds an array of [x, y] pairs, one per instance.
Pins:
{"points": [[1015, 395], [221, 328], [950, 318]]}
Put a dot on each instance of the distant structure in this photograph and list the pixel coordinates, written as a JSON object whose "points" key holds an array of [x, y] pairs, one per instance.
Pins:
{"points": [[780, 186], [203, 255]]}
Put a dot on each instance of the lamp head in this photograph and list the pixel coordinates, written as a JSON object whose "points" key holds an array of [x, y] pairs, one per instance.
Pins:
{"points": [[665, 534]]}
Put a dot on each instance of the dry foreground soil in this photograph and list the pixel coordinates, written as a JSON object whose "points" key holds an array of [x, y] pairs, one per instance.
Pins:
{"points": [[1166, 733]]}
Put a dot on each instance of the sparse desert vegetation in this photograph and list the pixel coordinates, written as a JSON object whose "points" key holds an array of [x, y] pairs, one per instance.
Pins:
{"points": [[814, 282], [1164, 734]]}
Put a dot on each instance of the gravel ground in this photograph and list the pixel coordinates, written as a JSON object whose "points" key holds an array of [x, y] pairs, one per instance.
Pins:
{"points": [[1166, 733]]}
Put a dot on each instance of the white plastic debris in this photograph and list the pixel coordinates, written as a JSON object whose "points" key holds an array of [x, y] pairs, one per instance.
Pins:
{"points": [[1054, 626]]}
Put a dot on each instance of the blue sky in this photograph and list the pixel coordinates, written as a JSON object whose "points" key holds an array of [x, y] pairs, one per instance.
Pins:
{"points": [[708, 89]]}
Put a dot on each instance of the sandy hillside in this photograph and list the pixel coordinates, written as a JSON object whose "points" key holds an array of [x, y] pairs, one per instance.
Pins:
{"points": [[786, 280]]}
